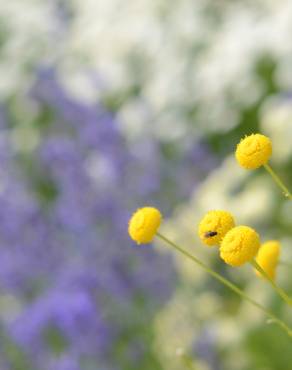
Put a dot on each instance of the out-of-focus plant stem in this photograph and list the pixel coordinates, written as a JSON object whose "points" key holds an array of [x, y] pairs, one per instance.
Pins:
{"points": [[278, 181], [227, 283], [277, 289]]}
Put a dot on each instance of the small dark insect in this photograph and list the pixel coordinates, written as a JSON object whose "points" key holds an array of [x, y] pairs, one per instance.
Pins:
{"points": [[209, 234]]}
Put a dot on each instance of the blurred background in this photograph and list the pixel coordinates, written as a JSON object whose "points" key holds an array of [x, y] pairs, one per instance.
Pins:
{"points": [[108, 105]]}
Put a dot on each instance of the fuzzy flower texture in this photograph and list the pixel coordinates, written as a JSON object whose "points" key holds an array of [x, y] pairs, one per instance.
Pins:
{"points": [[253, 151], [144, 224], [214, 226], [268, 258], [237, 245]]}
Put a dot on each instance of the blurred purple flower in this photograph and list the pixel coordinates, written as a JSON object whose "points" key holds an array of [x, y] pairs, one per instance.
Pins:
{"points": [[69, 260]]}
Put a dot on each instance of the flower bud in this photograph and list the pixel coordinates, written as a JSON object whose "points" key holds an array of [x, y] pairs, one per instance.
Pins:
{"points": [[143, 224]]}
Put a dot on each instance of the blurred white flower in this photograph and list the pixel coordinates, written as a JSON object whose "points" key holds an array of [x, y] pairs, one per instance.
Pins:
{"points": [[26, 30], [276, 121], [180, 56]]}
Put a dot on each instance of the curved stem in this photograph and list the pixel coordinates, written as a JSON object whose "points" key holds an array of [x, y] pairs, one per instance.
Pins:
{"points": [[227, 283], [278, 290], [278, 181]]}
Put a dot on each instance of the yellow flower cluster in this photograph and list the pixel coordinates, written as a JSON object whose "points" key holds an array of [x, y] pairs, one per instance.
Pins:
{"points": [[253, 151], [239, 245], [214, 226], [143, 224], [268, 257]]}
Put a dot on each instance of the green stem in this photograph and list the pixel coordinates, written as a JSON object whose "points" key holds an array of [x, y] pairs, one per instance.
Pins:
{"points": [[278, 290], [278, 181], [227, 283]]}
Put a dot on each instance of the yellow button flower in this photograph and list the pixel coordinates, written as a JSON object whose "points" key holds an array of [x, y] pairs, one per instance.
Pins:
{"points": [[253, 151], [143, 224], [239, 245], [268, 257], [214, 226]]}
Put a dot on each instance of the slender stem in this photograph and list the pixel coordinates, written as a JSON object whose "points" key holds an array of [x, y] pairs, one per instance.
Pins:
{"points": [[227, 283], [278, 181], [278, 290]]}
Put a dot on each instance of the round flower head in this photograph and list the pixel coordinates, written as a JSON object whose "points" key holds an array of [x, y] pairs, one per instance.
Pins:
{"points": [[143, 224], [253, 151], [268, 257], [214, 225], [239, 245]]}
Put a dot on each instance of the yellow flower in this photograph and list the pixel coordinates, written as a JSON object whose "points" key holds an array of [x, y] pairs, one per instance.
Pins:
{"points": [[214, 226], [143, 224], [239, 245], [268, 257], [253, 151]]}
